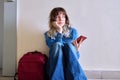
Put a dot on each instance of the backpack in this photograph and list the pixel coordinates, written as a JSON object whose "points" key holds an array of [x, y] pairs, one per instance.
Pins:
{"points": [[31, 66]]}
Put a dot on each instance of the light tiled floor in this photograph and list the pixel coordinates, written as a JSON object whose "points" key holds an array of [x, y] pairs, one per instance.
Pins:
{"points": [[6, 78], [11, 78], [95, 76]]}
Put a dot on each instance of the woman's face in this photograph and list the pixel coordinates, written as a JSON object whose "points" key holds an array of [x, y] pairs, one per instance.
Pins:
{"points": [[60, 19]]}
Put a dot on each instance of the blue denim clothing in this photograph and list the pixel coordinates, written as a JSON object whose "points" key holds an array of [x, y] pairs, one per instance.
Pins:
{"points": [[61, 38], [63, 58], [72, 68]]}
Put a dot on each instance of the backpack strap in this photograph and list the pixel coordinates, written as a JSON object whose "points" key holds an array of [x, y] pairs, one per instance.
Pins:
{"points": [[15, 76]]}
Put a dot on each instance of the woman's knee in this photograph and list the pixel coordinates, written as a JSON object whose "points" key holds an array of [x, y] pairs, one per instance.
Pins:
{"points": [[57, 44], [56, 49]]}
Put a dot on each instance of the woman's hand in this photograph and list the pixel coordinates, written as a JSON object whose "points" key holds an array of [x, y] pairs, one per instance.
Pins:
{"points": [[58, 27], [76, 44]]}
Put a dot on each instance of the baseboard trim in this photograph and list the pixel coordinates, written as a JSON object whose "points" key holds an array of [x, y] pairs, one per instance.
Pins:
{"points": [[99, 74]]}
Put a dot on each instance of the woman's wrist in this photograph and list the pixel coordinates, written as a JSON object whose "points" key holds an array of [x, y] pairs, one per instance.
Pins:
{"points": [[59, 30]]}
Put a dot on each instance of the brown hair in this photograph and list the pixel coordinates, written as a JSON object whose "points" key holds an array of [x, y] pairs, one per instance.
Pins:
{"points": [[54, 13], [52, 17]]}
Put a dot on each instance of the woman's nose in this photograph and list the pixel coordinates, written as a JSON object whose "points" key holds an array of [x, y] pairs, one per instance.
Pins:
{"points": [[60, 18]]}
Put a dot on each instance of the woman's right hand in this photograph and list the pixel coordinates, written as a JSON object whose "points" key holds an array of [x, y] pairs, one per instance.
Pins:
{"points": [[58, 27]]}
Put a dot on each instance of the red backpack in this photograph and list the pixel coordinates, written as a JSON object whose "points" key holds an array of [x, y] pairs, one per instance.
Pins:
{"points": [[32, 66]]}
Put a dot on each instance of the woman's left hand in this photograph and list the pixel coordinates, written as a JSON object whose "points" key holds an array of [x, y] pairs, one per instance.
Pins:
{"points": [[76, 44]]}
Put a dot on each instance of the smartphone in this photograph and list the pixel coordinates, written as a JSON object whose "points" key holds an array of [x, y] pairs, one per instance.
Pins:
{"points": [[81, 37]]}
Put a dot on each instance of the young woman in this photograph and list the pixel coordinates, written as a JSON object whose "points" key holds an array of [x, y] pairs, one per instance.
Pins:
{"points": [[63, 55]]}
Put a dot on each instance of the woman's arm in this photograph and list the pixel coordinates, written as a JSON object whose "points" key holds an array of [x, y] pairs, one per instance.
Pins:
{"points": [[50, 42], [75, 36]]}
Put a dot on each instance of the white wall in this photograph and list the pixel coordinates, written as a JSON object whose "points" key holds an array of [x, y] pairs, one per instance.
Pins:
{"points": [[1, 30], [97, 19]]}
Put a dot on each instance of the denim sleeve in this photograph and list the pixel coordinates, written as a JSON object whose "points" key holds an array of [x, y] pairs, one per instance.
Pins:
{"points": [[59, 38], [74, 33], [75, 36], [78, 55], [51, 41]]}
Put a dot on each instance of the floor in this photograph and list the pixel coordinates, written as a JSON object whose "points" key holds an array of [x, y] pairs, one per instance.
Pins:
{"points": [[11, 78], [6, 78], [95, 78]]}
